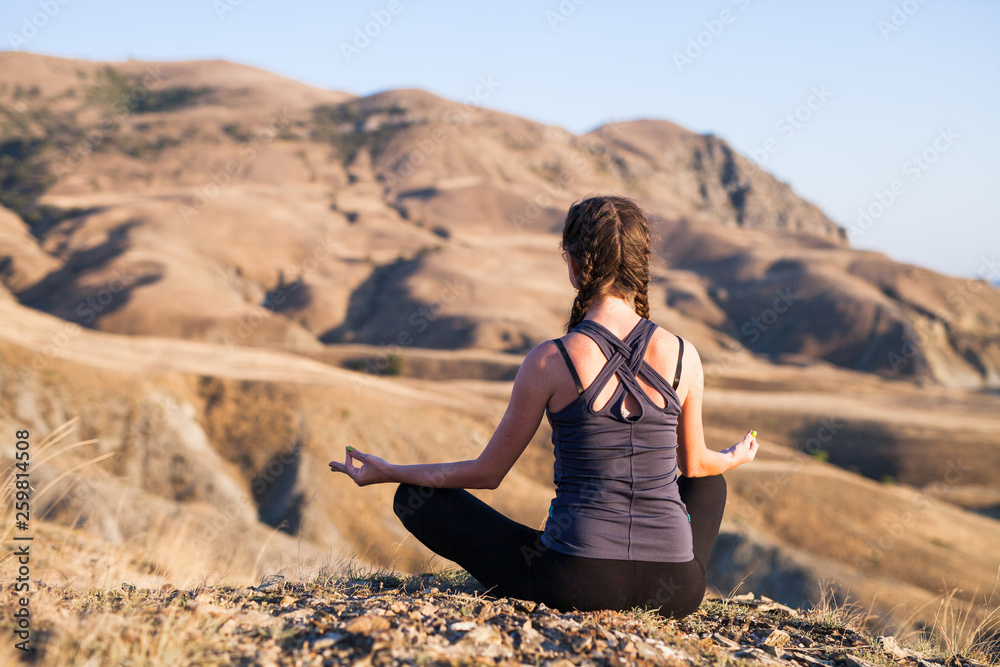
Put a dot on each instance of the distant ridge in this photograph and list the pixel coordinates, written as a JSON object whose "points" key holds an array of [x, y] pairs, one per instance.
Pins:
{"points": [[345, 219]]}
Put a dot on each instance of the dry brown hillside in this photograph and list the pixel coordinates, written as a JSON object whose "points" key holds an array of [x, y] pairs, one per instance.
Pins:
{"points": [[212, 201], [215, 465], [225, 277]]}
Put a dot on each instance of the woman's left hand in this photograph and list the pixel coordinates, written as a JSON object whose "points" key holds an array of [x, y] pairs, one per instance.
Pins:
{"points": [[373, 470]]}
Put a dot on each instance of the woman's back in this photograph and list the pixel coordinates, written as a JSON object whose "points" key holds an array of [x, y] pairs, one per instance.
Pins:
{"points": [[615, 468], [623, 529]]}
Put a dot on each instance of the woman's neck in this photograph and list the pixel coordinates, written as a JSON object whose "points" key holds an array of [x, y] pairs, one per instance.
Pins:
{"points": [[613, 309]]}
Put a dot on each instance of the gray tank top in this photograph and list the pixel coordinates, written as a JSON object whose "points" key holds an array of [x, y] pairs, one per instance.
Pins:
{"points": [[616, 476]]}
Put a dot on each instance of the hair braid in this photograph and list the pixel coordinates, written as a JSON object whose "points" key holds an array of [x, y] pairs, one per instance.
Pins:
{"points": [[609, 238]]}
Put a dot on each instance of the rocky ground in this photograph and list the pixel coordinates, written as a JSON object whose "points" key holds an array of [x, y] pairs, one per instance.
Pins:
{"points": [[440, 619]]}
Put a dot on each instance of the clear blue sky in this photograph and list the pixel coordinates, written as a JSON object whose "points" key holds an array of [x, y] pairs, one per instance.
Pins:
{"points": [[891, 91]]}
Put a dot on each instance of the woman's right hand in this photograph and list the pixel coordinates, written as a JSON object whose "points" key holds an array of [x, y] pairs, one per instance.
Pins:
{"points": [[745, 450]]}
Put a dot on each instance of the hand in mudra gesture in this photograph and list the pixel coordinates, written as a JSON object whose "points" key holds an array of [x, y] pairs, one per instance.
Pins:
{"points": [[745, 450], [373, 470]]}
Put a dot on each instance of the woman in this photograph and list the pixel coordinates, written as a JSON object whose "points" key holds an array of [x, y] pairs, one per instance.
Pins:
{"points": [[623, 529]]}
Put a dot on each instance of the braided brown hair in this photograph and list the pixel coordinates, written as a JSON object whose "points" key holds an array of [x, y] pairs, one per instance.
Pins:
{"points": [[609, 238]]}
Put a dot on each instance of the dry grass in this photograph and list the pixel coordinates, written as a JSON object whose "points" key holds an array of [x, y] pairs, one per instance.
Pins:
{"points": [[837, 611], [960, 628], [45, 450]]}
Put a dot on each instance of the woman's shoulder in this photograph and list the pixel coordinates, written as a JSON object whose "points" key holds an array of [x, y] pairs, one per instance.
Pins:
{"points": [[664, 348], [542, 356]]}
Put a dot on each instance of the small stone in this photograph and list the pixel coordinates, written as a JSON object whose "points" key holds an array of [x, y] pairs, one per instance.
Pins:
{"points": [[777, 638], [777, 606], [397, 607], [288, 600], [647, 652], [889, 646], [484, 635], [725, 642], [581, 643], [328, 641], [772, 651], [485, 611], [746, 597], [271, 582], [526, 606], [804, 657], [462, 626], [367, 624], [531, 639], [855, 661]]}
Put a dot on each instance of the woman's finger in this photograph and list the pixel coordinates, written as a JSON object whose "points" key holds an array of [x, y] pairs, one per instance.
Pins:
{"points": [[354, 453]]}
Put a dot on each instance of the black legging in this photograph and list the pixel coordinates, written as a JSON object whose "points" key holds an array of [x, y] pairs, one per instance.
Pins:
{"points": [[508, 558]]}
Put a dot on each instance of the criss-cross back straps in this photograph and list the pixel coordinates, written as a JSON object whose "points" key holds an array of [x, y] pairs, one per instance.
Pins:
{"points": [[619, 352], [631, 350]]}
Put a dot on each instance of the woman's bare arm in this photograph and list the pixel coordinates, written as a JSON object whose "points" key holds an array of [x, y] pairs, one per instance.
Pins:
{"points": [[694, 458], [533, 388]]}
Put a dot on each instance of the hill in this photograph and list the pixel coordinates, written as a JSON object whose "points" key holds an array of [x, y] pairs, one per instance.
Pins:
{"points": [[226, 204], [221, 453], [224, 277]]}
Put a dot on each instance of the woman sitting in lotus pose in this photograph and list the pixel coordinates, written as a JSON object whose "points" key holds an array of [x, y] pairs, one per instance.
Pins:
{"points": [[639, 497]]}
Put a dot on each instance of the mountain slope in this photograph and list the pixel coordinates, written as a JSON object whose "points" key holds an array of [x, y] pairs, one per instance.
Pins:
{"points": [[227, 204]]}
